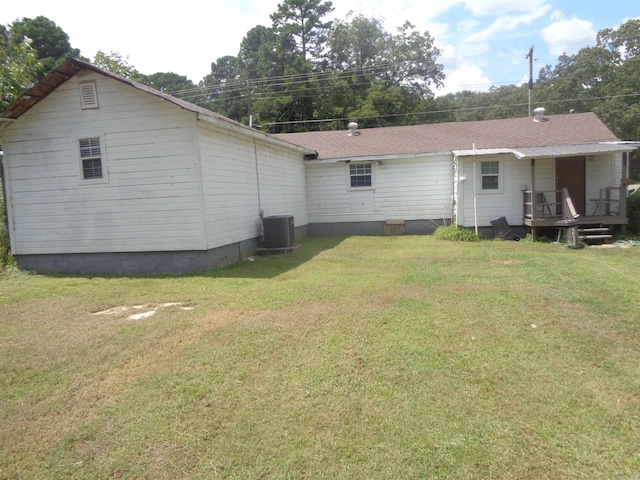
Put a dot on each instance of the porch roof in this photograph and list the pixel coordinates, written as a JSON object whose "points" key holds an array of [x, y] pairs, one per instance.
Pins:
{"points": [[552, 151]]}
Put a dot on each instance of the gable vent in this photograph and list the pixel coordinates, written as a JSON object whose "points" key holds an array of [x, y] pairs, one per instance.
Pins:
{"points": [[88, 95]]}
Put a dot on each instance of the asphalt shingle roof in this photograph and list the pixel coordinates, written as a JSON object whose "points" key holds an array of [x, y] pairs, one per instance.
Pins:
{"points": [[570, 129]]}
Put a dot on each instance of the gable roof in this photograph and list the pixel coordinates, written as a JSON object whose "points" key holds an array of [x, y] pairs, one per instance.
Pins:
{"points": [[521, 135], [72, 67]]}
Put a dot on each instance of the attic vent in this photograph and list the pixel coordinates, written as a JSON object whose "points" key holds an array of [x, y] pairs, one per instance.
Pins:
{"points": [[538, 115], [88, 95], [353, 129]]}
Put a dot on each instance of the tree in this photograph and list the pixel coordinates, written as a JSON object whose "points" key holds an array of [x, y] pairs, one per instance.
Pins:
{"points": [[222, 89], [604, 79], [301, 19], [260, 55], [115, 63], [169, 82], [49, 41], [387, 105], [406, 59], [19, 66]]}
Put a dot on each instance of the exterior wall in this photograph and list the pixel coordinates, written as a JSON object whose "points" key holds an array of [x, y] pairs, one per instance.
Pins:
{"points": [[506, 201], [416, 190], [601, 171], [243, 177], [151, 198]]}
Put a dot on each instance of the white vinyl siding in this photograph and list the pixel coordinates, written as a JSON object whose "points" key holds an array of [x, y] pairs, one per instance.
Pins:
{"points": [[409, 189], [151, 201], [506, 201], [243, 176]]}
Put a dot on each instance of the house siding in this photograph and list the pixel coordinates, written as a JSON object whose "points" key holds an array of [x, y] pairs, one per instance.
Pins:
{"points": [[504, 202], [244, 177], [601, 171], [150, 201], [417, 190]]}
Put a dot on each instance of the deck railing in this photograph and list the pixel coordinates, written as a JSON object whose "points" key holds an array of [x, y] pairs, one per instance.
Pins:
{"points": [[610, 202], [542, 205]]}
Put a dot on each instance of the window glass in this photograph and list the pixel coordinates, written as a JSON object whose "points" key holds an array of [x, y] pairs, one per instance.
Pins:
{"points": [[91, 157], [490, 172], [360, 174]]}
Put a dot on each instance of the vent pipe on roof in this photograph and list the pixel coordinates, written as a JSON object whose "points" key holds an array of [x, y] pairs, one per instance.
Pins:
{"points": [[538, 115], [353, 129]]}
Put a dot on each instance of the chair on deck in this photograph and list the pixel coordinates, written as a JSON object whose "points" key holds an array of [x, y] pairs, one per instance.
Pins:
{"points": [[542, 204]]}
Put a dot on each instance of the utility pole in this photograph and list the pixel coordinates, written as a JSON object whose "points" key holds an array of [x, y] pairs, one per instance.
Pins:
{"points": [[530, 57], [250, 107]]}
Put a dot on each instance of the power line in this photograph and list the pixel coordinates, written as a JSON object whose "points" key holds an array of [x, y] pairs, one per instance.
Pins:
{"points": [[452, 110]]}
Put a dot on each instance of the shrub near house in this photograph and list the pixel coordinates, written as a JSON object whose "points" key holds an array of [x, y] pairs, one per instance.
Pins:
{"points": [[633, 212]]}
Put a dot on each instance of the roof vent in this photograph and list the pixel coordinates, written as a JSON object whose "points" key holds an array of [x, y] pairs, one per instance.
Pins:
{"points": [[538, 115], [353, 129]]}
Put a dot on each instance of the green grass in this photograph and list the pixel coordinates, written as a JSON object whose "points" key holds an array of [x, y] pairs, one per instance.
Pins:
{"points": [[365, 357]]}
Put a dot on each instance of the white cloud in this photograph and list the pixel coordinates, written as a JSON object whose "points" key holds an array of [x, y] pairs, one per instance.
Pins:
{"points": [[505, 23], [465, 77], [501, 7], [567, 36]]}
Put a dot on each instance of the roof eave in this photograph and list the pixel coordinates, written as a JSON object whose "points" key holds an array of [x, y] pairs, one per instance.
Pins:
{"points": [[253, 133], [374, 158]]}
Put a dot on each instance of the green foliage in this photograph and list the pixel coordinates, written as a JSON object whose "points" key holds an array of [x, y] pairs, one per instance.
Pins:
{"points": [[633, 212], [604, 79], [302, 69], [49, 41], [300, 20], [453, 233], [114, 62], [19, 66], [4, 233]]}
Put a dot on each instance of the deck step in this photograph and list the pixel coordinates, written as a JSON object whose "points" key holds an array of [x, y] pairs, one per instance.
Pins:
{"points": [[595, 237]]}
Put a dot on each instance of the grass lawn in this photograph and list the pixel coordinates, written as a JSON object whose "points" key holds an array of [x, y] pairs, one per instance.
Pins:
{"points": [[356, 358]]}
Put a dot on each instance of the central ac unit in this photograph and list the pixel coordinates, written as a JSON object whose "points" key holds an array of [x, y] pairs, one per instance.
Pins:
{"points": [[279, 231]]}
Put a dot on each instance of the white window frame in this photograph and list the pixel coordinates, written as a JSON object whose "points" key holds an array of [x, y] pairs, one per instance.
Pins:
{"points": [[84, 155], [363, 170], [499, 174]]}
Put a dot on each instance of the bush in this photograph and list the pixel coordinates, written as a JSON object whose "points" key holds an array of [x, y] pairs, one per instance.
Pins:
{"points": [[453, 233], [4, 233], [633, 212]]}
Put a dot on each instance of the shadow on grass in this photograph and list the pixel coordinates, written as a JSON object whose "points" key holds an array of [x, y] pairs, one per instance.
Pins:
{"points": [[267, 266]]}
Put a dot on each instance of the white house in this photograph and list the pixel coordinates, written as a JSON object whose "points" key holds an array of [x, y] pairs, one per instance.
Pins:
{"points": [[413, 178], [105, 175]]}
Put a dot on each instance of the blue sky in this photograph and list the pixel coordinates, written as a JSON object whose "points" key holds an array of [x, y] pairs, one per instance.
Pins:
{"points": [[483, 42]]}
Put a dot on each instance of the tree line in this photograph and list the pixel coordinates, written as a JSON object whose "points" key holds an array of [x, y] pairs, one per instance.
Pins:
{"points": [[305, 73]]}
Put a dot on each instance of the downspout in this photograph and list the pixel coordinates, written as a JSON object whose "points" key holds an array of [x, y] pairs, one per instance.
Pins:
{"points": [[260, 212], [456, 189]]}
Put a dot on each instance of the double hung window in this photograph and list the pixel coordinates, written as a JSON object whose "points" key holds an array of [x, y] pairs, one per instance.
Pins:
{"points": [[360, 174], [91, 158]]}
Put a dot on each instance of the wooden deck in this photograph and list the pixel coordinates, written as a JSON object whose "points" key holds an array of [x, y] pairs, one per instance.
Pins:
{"points": [[608, 210]]}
